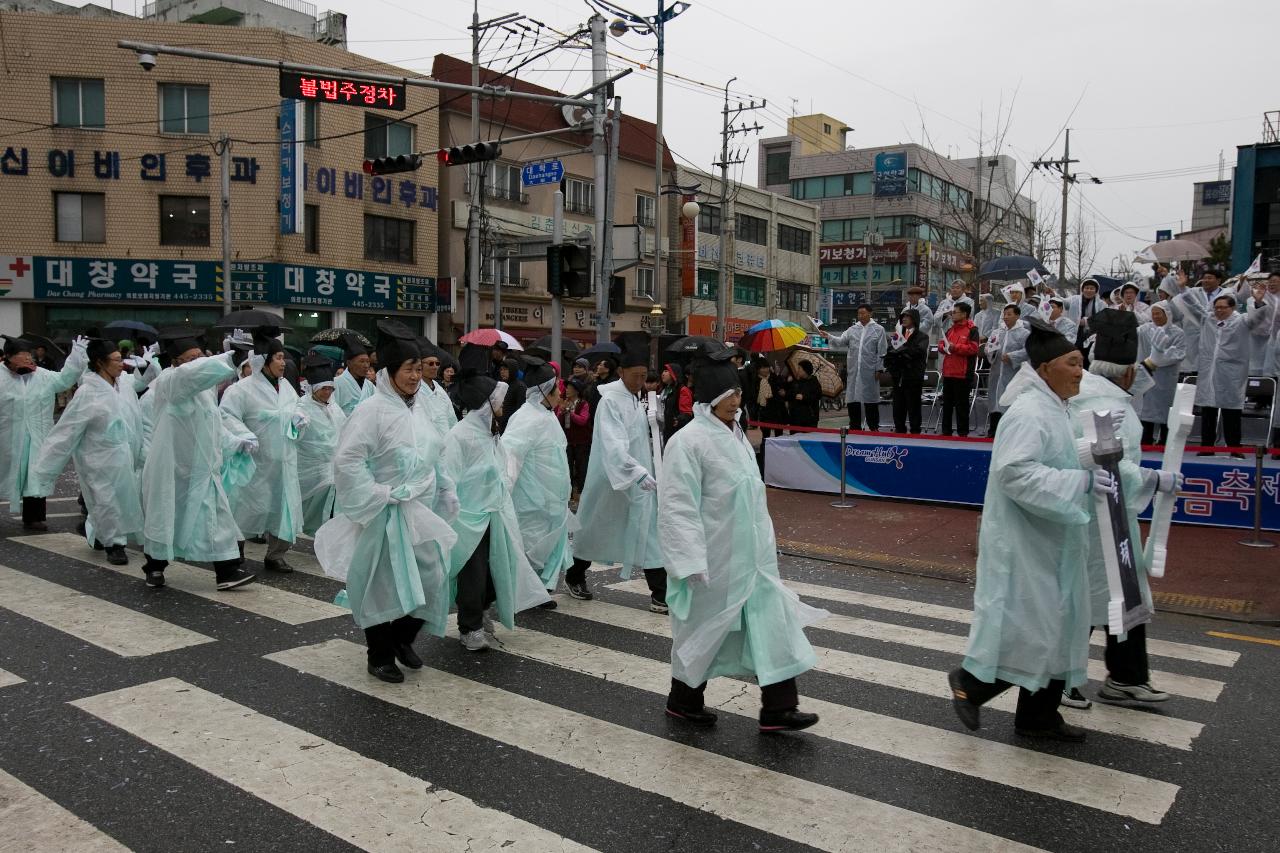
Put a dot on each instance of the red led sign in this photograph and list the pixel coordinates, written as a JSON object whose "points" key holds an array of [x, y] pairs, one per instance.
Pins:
{"points": [[341, 90]]}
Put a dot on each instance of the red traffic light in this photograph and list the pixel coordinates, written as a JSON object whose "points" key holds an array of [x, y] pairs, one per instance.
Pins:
{"points": [[391, 165]]}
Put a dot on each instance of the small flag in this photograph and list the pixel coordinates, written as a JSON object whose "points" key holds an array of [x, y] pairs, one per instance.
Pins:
{"points": [[1147, 256], [1255, 267], [1034, 277], [814, 321]]}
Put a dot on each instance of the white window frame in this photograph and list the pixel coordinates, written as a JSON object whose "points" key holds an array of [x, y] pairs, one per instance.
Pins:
{"points": [[645, 282], [186, 108], [79, 82], [69, 218], [646, 210]]}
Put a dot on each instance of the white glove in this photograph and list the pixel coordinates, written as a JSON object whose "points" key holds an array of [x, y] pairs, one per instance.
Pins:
{"points": [[249, 445], [1168, 482], [1117, 421], [151, 352], [1103, 482], [81, 342], [700, 579], [648, 484], [300, 421], [449, 505]]}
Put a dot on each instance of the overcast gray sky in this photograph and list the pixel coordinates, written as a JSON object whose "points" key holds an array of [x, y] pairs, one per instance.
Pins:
{"points": [[1153, 91]]}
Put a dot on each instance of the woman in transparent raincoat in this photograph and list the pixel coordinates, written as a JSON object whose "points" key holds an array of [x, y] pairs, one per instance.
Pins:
{"points": [[318, 443]]}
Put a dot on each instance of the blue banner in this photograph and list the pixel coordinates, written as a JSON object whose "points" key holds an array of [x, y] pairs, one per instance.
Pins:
{"points": [[891, 174], [288, 167]]}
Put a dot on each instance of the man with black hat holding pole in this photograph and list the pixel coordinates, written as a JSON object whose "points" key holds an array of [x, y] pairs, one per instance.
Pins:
{"points": [[353, 385], [318, 442], [618, 510]]}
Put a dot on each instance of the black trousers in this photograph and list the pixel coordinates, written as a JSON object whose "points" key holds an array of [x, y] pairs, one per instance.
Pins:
{"points": [[33, 510], [872, 412], [1036, 710], [1154, 433], [1127, 661], [993, 421], [1209, 426], [221, 568], [383, 639], [955, 404], [475, 588], [906, 408], [782, 696], [655, 578], [578, 456]]}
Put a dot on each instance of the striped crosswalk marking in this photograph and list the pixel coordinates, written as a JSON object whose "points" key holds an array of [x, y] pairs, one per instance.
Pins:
{"points": [[1085, 784], [104, 624], [819, 816], [48, 500], [30, 821], [361, 801], [278, 604], [300, 560], [8, 679], [1153, 728]]}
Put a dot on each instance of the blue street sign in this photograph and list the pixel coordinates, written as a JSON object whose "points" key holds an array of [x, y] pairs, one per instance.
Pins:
{"points": [[546, 172]]}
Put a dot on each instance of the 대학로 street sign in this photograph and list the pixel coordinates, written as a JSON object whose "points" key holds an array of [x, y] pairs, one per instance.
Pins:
{"points": [[544, 172]]}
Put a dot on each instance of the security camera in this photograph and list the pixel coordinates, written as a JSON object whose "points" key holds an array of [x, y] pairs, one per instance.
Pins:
{"points": [[147, 60]]}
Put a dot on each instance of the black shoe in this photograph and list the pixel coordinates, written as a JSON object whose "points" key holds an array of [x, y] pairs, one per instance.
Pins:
{"points": [[656, 606], [237, 577], [80, 529], [407, 656], [548, 605], [38, 526], [258, 540], [155, 578], [387, 672], [1204, 453], [968, 712], [1062, 731], [579, 591], [116, 556], [701, 719], [98, 546], [277, 566], [786, 721]]}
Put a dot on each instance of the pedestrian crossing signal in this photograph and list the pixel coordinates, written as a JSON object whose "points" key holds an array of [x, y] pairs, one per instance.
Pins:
{"points": [[476, 152], [568, 270], [391, 165]]}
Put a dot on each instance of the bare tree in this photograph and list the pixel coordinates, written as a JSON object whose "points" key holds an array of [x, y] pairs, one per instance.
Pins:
{"points": [[1082, 247], [1045, 231]]}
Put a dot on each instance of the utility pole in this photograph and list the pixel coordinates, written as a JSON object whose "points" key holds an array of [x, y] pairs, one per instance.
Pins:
{"points": [[225, 156], [557, 309], [1063, 167], [599, 115], [724, 287]]}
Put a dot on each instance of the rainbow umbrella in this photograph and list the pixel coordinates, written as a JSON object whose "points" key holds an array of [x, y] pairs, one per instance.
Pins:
{"points": [[771, 336]]}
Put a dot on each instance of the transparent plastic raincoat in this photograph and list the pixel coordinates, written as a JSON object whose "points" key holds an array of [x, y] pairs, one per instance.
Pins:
{"points": [[97, 430], [270, 502], [477, 463], [347, 392], [26, 417], [867, 346], [439, 406], [185, 509], [618, 520], [385, 541], [1031, 604], [538, 471], [1222, 364], [1005, 341], [316, 447], [1166, 347]]}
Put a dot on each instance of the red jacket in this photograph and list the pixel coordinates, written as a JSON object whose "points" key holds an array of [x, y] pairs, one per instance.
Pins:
{"points": [[958, 363]]}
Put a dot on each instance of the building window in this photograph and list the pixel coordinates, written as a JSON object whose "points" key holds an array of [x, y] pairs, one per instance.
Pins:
{"points": [[777, 167], [748, 290], [388, 239], [844, 230], [826, 128], [384, 137], [792, 239], [184, 109], [644, 282], [646, 211], [311, 123], [792, 296], [81, 217], [504, 271], [708, 284], [184, 220], [832, 186], [311, 228], [78, 103], [753, 229], [581, 197], [709, 220], [503, 182]]}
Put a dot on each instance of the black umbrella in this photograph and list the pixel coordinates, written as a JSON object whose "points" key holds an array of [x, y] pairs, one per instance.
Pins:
{"points": [[599, 351], [142, 332], [251, 319], [53, 354], [542, 348], [1010, 267], [695, 345], [335, 336]]}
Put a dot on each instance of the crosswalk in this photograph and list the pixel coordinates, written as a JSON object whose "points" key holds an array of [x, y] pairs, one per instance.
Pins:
{"points": [[573, 697]]}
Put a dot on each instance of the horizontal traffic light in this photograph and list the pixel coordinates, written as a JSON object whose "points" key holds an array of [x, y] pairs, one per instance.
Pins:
{"points": [[391, 165], [476, 152]]}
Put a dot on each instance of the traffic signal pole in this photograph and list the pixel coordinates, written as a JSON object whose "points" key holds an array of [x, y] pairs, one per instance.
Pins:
{"points": [[557, 321]]}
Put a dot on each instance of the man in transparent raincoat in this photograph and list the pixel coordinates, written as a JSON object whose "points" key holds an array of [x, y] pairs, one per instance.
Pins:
{"points": [[318, 443], [431, 392], [730, 613]]}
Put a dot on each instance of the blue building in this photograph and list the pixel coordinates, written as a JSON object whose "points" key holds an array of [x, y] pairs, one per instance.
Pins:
{"points": [[1255, 209]]}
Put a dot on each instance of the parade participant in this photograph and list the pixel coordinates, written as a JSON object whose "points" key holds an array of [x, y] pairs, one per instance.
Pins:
{"points": [[959, 350], [99, 430], [618, 511], [955, 294], [905, 360], [431, 392], [917, 303], [731, 615], [1161, 349], [1060, 321], [1016, 295], [538, 471], [184, 507], [867, 344], [988, 318], [1265, 335], [1191, 307], [265, 406], [385, 540], [353, 384], [1031, 603], [27, 396], [318, 442], [1081, 307], [1223, 364], [516, 391], [487, 561], [1129, 301], [1006, 350]]}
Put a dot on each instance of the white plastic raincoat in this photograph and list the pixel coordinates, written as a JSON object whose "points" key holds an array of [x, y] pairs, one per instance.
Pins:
{"points": [[271, 502], [986, 321], [477, 463], [1222, 366], [928, 321], [185, 509], [385, 541], [98, 431], [1190, 308], [867, 346], [26, 417], [1005, 341], [131, 392], [538, 471], [1031, 603], [730, 612], [1166, 347], [619, 520], [1067, 327], [347, 392], [316, 449], [1265, 336], [439, 406], [942, 317]]}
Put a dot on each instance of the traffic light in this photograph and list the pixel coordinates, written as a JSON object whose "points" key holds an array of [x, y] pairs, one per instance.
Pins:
{"points": [[568, 270], [391, 165], [476, 152], [618, 295]]}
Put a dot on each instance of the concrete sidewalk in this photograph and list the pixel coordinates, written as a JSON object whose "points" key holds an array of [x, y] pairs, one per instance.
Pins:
{"points": [[1209, 572]]}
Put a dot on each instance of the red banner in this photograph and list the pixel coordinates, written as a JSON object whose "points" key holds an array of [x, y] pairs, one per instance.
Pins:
{"points": [[688, 251]]}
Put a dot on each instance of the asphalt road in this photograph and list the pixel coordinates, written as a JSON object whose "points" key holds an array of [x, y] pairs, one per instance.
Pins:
{"points": [[186, 719]]}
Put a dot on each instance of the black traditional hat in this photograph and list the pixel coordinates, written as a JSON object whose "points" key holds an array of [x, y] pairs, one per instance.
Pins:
{"points": [[267, 346], [634, 358], [317, 370], [174, 342], [473, 380], [100, 348], [427, 349], [713, 376], [14, 345], [352, 346], [1045, 343], [1115, 336], [537, 372], [396, 345]]}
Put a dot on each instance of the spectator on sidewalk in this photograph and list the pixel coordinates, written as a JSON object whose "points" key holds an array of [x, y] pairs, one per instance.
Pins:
{"points": [[917, 303], [806, 395], [1006, 350], [866, 343], [905, 361], [959, 349], [1060, 321], [1161, 349], [987, 318], [575, 416]]}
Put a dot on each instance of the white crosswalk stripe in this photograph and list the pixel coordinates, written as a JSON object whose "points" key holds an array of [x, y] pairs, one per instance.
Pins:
{"points": [[281, 605], [363, 802], [30, 821], [102, 623], [8, 679], [723, 786]]}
